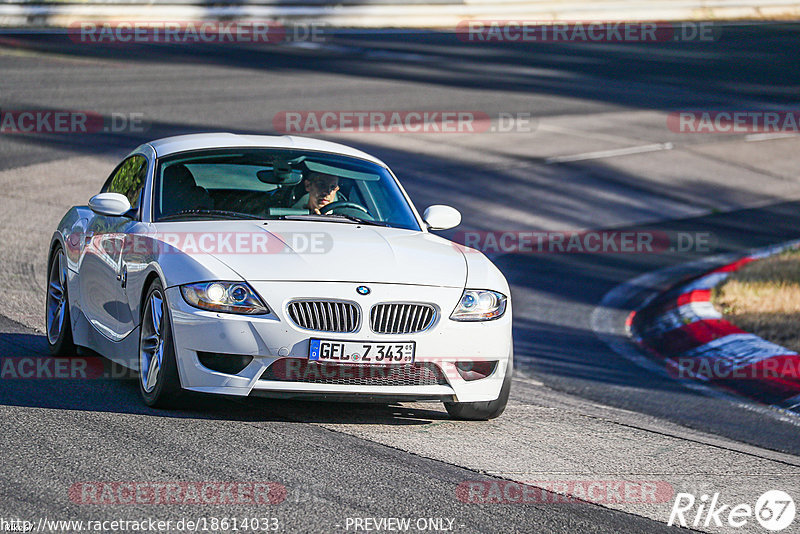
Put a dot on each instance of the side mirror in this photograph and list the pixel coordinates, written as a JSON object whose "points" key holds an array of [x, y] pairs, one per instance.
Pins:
{"points": [[439, 217], [112, 204]]}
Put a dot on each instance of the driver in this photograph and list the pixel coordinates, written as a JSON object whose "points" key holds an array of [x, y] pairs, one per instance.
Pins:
{"points": [[321, 190]]}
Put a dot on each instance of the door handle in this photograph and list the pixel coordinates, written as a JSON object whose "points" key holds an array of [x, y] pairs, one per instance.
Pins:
{"points": [[122, 277]]}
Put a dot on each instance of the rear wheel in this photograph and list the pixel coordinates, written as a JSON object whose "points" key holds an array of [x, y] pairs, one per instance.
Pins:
{"points": [[159, 383], [483, 411], [59, 327]]}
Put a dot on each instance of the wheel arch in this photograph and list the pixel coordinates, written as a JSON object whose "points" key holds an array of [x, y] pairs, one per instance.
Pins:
{"points": [[56, 241], [148, 281]]}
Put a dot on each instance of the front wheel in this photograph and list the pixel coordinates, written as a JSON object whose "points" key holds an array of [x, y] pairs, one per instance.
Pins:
{"points": [[485, 410], [159, 383], [59, 327]]}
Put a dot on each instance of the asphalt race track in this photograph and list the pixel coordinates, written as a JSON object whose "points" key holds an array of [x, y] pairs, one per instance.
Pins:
{"points": [[595, 153]]}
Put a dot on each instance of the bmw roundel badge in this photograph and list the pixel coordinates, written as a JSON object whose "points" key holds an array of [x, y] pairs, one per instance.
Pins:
{"points": [[363, 290]]}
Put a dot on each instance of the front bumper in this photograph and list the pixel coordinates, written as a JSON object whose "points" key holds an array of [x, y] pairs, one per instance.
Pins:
{"points": [[274, 338]]}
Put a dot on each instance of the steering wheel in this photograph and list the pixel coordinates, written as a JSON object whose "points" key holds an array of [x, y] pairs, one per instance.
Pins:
{"points": [[342, 204]]}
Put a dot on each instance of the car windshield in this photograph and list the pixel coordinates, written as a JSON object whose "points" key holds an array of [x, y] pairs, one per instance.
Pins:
{"points": [[277, 184]]}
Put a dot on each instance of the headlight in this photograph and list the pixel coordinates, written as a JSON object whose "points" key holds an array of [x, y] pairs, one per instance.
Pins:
{"points": [[229, 297], [479, 305]]}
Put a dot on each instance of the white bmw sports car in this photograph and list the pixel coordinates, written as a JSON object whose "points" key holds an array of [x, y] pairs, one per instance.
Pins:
{"points": [[282, 267]]}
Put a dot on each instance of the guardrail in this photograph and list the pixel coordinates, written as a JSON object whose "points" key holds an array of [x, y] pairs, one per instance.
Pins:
{"points": [[387, 13]]}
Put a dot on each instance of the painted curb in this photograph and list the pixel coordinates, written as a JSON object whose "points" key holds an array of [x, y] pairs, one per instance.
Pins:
{"points": [[684, 331]]}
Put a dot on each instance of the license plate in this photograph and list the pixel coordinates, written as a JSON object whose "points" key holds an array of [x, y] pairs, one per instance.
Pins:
{"points": [[321, 350]]}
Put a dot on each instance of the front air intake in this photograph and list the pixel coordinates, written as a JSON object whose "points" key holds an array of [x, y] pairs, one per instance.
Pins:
{"points": [[406, 374]]}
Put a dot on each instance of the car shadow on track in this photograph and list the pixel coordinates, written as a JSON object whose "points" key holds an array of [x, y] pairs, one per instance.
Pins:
{"points": [[30, 377], [706, 68]]}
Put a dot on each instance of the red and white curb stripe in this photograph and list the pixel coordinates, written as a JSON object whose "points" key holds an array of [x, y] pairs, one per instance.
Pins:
{"points": [[682, 328]]}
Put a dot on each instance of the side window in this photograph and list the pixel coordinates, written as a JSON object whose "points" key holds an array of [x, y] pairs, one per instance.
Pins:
{"points": [[129, 180]]}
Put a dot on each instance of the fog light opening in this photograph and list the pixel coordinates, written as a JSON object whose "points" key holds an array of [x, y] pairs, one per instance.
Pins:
{"points": [[230, 364], [472, 370]]}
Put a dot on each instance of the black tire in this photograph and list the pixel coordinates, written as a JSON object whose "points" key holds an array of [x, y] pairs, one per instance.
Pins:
{"points": [[60, 343], [485, 410], [167, 388]]}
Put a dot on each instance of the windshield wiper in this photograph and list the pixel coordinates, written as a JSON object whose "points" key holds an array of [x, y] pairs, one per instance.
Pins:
{"points": [[357, 219], [205, 212], [326, 216]]}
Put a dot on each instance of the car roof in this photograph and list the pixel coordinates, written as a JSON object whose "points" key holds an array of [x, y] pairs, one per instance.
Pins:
{"points": [[182, 143]]}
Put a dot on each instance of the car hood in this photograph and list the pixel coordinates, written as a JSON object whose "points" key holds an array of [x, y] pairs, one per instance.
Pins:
{"points": [[322, 251]]}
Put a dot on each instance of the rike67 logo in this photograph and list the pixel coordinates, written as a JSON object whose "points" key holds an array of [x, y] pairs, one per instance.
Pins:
{"points": [[774, 510]]}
